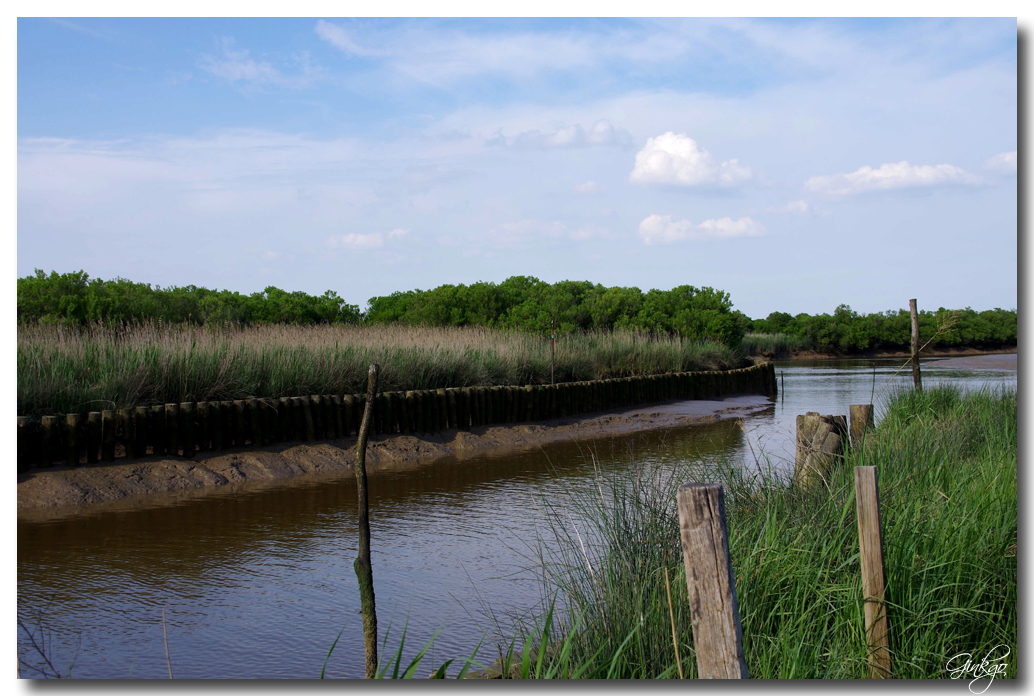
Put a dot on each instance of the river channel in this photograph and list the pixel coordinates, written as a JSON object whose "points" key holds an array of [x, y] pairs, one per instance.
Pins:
{"points": [[259, 584]]}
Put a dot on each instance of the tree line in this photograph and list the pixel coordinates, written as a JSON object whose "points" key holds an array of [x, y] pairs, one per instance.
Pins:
{"points": [[522, 303]]}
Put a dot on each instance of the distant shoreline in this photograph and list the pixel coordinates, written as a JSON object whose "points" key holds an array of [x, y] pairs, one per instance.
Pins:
{"points": [[929, 353]]}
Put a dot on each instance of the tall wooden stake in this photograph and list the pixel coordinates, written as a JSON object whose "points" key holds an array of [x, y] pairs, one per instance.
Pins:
{"points": [[552, 351], [870, 541], [917, 379], [717, 634], [363, 566]]}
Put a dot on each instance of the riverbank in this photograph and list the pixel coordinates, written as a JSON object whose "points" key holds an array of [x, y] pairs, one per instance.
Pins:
{"points": [[877, 354], [64, 491]]}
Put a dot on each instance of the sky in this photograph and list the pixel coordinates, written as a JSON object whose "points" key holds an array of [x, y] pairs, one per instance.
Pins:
{"points": [[795, 164]]}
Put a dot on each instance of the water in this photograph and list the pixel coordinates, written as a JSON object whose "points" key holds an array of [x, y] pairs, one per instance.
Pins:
{"points": [[258, 585]]}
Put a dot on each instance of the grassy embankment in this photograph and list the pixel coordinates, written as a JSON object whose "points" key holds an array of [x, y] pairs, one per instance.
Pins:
{"points": [[70, 369], [948, 488]]}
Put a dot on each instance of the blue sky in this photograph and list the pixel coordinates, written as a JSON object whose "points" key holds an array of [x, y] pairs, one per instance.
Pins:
{"points": [[796, 164]]}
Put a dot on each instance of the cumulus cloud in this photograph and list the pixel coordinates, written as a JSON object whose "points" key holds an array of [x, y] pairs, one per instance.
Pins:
{"points": [[661, 229], [1004, 162], [677, 159], [602, 132], [589, 187], [796, 208], [889, 176], [355, 241]]}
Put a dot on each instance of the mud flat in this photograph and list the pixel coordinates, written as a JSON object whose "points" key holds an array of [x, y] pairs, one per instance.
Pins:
{"points": [[154, 481]]}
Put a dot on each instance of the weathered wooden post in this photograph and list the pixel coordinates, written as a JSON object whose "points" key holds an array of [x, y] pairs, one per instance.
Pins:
{"points": [[870, 542], [125, 419], [51, 441], [188, 435], [861, 421], [93, 436], [156, 428], [73, 434], [917, 379], [363, 566], [108, 435], [172, 434], [717, 634]]}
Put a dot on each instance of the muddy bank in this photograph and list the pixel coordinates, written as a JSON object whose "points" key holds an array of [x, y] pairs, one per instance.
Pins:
{"points": [[63, 491]]}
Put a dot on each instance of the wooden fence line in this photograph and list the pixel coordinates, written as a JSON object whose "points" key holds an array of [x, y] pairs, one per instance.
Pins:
{"points": [[183, 429]]}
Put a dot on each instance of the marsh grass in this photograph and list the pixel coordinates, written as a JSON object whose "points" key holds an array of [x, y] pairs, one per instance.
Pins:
{"points": [[71, 370], [770, 344], [948, 498]]}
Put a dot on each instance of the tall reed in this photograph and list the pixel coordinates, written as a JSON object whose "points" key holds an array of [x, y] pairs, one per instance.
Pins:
{"points": [[948, 488], [68, 369]]}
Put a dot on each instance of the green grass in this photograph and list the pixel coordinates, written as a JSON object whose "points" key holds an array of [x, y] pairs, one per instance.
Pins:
{"points": [[771, 344], [73, 370], [948, 486]]}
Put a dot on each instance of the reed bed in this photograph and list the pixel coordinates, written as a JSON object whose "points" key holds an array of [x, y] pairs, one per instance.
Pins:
{"points": [[948, 487], [771, 344], [69, 370]]}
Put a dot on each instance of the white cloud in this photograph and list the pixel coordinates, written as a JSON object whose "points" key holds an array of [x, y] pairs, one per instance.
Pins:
{"points": [[338, 37], [374, 240], [889, 176], [661, 229], [589, 187], [236, 66], [602, 132], [677, 159], [795, 208], [1004, 162]]}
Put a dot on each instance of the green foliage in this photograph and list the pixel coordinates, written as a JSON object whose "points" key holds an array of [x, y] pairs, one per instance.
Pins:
{"points": [[845, 331], [74, 298], [529, 304]]}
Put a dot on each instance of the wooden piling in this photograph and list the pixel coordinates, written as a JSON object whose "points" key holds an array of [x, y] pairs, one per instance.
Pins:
{"points": [[717, 634], [347, 411], [108, 435], [156, 428], [172, 435], [52, 448], [338, 410], [187, 432], [861, 421], [870, 541], [453, 416], [240, 423], [204, 437], [529, 404], [23, 443], [254, 419], [128, 428], [93, 436], [74, 439], [310, 426], [917, 378]]}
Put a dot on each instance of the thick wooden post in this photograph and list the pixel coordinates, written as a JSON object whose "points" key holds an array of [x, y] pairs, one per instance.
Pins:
{"points": [[93, 436], [172, 433], [870, 542], [717, 634], [188, 435], [363, 566], [125, 419], [917, 379], [51, 441], [75, 441], [108, 435], [861, 421]]}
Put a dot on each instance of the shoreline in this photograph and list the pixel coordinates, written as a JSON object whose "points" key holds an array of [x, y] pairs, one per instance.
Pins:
{"points": [[865, 355], [62, 491]]}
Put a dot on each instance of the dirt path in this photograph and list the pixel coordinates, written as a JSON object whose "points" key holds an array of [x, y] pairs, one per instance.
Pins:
{"points": [[63, 491]]}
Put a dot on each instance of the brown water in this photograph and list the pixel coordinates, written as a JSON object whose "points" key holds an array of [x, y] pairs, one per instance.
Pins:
{"points": [[259, 584]]}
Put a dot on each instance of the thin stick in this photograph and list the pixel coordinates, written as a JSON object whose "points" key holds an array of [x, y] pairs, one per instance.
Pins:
{"points": [[363, 566], [165, 638], [671, 613]]}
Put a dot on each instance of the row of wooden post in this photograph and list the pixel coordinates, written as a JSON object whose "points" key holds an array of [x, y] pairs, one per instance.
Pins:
{"points": [[186, 428], [717, 632]]}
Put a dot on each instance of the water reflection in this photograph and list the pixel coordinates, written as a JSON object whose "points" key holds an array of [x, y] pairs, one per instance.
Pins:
{"points": [[258, 584]]}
